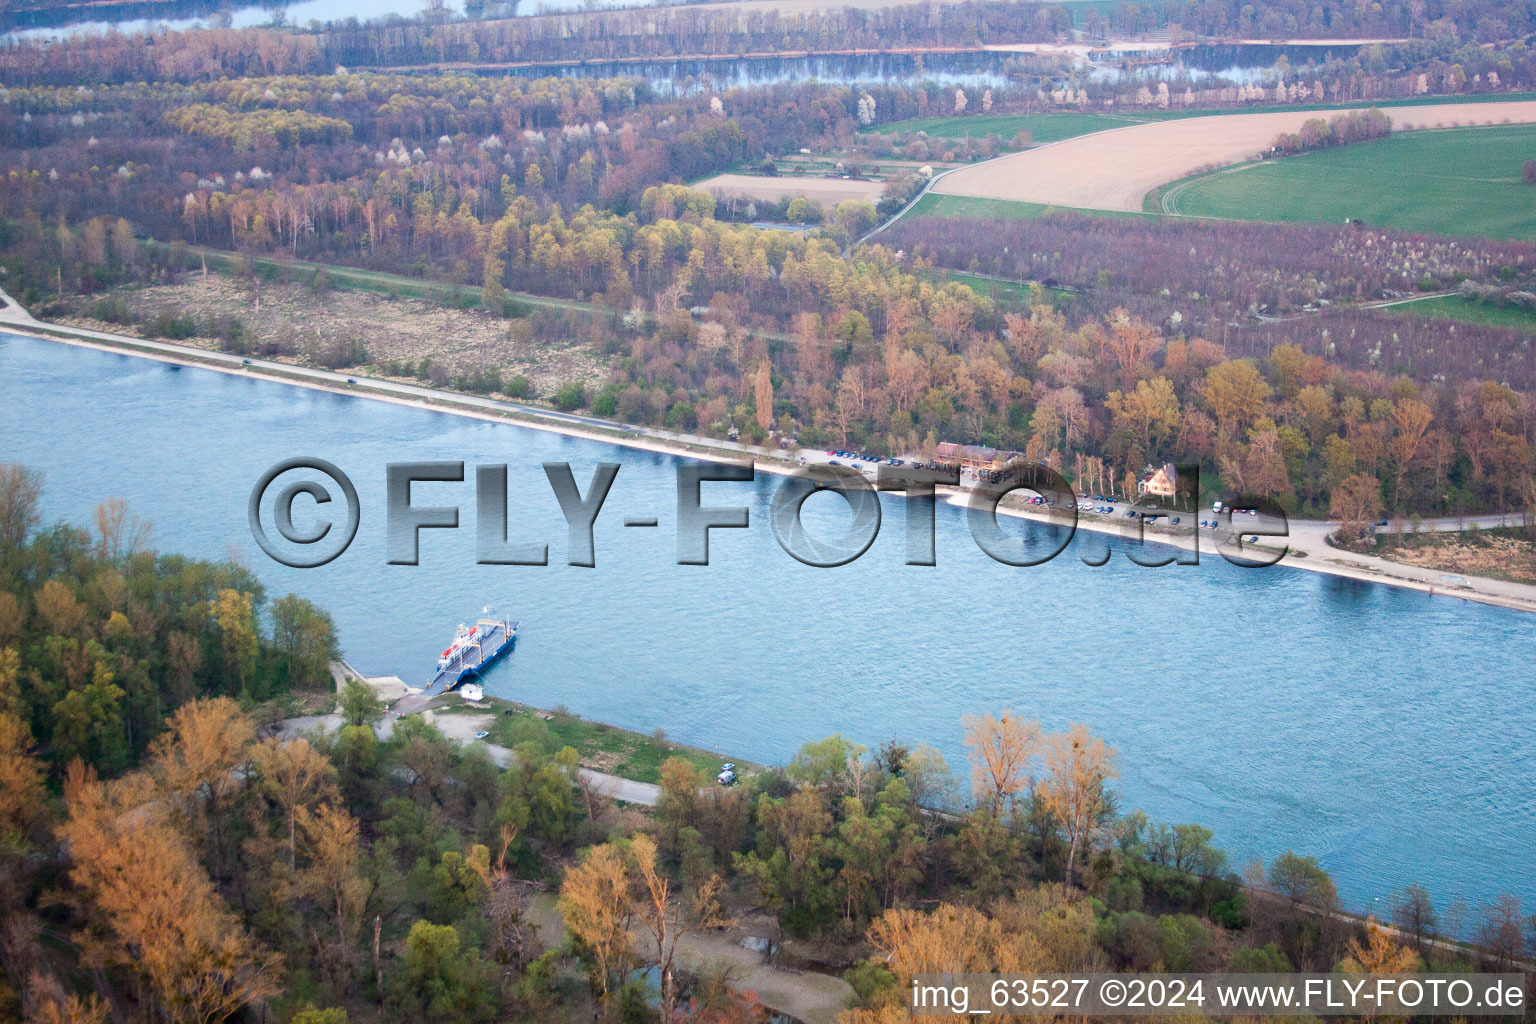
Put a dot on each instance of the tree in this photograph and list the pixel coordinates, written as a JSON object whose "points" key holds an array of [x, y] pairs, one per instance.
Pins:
{"points": [[442, 977], [22, 797], [20, 489], [594, 901], [293, 774], [678, 804], [237, 634], [1077, 766], [953, 939], [359, 704], [333, 875], [57, 607], [1355, 504], [1002, 750], [1414, 913], [153, 909], [306, 638], [1304, 902], [763, 394], [311, 1015], [1236, 393], [198, 760], [666, 917], [1379, 954], [1502, 932], [118, 531]]}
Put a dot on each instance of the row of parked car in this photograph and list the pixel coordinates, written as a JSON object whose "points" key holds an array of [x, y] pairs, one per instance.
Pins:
{"points": [[853, 457]]}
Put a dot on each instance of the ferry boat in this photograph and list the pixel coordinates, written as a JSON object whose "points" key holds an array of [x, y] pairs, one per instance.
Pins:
{"points": [[473, 648]]}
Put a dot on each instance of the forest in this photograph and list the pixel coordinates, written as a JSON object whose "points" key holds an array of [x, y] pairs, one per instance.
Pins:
{"points": [[171, 852]]}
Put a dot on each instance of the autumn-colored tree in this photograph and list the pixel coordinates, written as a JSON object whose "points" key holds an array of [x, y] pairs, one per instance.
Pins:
{"points": [[1355, 504], [56, 1008], [1378, 955], [1132, 343], [595, 903], [294, 775], [1412, 418], [118, 531], [198, 761], [1077, 767], [679, 802], [22, 798], [1264, 471], [1002, 750], [151, 906], [763, 395], [1236, 394], [952, 939], [23, 820], [60, 612], [333, 876]]}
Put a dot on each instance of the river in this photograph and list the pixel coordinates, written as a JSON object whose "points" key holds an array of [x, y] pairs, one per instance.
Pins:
{"points": [[1387, 732]]}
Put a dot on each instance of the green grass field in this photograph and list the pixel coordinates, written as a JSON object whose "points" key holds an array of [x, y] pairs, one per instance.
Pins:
{"points": [[1457, 181], [631, 755], [935, 205], [1054, 127], [1454, 307], [1041, 127]]}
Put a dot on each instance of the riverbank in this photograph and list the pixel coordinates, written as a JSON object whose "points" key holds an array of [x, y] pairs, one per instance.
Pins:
{"points": [[1307, 540]]}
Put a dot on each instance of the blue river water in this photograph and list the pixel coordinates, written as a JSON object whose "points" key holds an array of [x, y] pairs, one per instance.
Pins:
{"points": [[1388, 733]]}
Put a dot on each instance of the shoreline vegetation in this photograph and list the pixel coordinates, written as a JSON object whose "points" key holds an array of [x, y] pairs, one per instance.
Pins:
{"points": [[1319, 557]]}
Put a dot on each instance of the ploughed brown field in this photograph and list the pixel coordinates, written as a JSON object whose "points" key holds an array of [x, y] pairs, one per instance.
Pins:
{"points": [[826, 191], [1114, 170]]}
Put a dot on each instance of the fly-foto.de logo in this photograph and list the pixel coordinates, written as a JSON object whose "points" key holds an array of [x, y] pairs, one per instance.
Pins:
{"points": [[332, 514]]}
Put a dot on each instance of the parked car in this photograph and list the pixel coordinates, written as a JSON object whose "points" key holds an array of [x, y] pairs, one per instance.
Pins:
{"points": [[482, 734]]}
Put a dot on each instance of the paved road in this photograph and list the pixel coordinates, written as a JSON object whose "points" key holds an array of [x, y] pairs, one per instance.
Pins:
{"points": [[462, 728], [12, 311]]}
